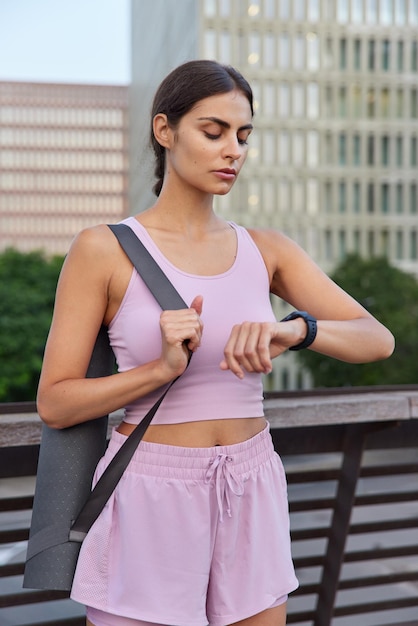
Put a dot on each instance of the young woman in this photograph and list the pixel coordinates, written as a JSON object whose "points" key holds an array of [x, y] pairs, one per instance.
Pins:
{"points": [[197, 530]]}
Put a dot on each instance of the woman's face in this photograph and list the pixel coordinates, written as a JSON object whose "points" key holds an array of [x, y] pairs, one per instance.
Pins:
{"points": [[209, 146]]}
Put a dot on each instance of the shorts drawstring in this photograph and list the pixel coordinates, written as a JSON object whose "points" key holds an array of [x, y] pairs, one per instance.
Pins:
{"points": [[226, 480]]}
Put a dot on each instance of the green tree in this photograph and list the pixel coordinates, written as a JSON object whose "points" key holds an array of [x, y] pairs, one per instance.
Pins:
{"points": [[391, 295], [27, 292]]}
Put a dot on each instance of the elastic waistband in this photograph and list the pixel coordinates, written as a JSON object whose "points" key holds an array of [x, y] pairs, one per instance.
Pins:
{"points": [[175, 461]]}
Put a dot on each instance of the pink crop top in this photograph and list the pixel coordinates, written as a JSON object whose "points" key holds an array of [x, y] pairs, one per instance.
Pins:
{"points": [[204, 391]]}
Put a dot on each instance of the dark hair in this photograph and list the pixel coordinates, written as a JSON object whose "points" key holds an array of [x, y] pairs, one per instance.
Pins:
{"points": [[182, 89]]}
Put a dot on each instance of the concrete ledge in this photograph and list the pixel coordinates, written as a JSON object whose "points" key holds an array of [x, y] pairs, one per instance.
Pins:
{"points": [[282, 412]]}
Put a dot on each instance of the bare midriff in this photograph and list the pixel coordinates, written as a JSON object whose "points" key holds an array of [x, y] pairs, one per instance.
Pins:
{"points": [[202, 434]]}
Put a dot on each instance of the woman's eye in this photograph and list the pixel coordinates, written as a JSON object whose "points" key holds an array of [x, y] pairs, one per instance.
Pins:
{"points": [[211, 136], [242, 142]]}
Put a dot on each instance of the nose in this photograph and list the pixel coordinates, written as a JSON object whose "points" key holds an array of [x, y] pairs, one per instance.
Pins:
{"points": [[233, 149]]}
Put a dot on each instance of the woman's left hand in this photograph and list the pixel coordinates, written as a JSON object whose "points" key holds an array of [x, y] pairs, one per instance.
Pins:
{"points": [[252, 345]]}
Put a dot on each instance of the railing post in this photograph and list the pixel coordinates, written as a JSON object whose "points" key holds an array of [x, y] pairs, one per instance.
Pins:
{"points": [[349, 473]]}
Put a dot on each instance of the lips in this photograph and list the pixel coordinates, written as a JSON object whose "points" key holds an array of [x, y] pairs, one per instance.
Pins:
{"points": [[226, 173]]}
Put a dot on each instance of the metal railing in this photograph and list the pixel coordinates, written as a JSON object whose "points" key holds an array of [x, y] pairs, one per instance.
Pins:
{"points": [[351, 458]]}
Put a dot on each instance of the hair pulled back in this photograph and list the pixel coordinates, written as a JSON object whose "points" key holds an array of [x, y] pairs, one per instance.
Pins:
{"points": [[182, 89]]}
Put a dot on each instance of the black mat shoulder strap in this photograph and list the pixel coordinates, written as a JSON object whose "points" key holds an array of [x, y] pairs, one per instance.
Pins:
{"points": [[168, 298]]}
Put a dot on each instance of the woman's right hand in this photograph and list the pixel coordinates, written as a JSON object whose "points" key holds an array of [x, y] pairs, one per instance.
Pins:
{"points": [[181, 331]]}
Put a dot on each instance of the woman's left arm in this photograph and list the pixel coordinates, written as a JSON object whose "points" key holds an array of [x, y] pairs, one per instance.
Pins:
{"points": [[345, 330]]}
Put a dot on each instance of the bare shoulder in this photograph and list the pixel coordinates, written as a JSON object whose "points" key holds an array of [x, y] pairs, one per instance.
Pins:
{"points": [[94, 241], [276, 248]]}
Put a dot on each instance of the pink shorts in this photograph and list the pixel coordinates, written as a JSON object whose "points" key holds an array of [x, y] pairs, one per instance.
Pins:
{"points": [[190, 536]]}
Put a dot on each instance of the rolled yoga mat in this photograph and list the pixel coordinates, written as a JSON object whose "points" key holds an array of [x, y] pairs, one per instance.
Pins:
{"points": [[67, 461]]}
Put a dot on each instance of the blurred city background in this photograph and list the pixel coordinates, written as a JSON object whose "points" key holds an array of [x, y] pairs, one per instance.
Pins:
{"points": [[333, 162]]}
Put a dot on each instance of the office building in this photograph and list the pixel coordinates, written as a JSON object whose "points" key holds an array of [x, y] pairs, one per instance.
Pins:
{"points": [[63, 162], [333, 161]]}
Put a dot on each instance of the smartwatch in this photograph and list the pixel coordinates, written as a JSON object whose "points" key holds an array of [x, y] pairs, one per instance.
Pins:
{"points": [[311, 327]]}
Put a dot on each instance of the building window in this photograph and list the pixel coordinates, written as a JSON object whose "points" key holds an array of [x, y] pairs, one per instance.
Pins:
{"points": [[312, 43], [357, 101], [284, 147], [386, 55], [329, 102], [284, 100], [399, 198], [399, 150], [414, 103], [343, 54], [371, 12], [329, 156], [414, 152], [371, 243], [329, 54], [342, 101], [370, 150], [400, 12], [342, 197], [312, 148], [370, 198], [329, 256], [299, 52], [385, 198], [313, 10], [414, 56], [357, 54], [357, 150], [342, 11], [371, 102], [400, 103], [385, 151], [371, 47], [298, 103], [413, 199], [356, 197], [328, 197], [413, 11], [284, 51], [385, 102], [386, 12], [312, 102], [342, 245], [399, 56], [399, 245], [342, 149], [299, 10], [413, 246], [357, 11], [298, 148], [357, 241]]}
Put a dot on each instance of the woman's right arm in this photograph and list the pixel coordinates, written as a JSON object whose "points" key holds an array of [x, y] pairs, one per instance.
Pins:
{"points": [[87, 284]]}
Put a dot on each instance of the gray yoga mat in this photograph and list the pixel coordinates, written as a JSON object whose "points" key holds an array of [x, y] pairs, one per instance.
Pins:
{"points": [[67, 461]]}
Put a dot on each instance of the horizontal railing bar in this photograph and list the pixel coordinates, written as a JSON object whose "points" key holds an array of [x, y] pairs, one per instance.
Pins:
{"points": [[297, 506], [11, 569], [373, 471], [384, 579], [16, 504], [381, 553], [16, 534], [382, 526], [386, 498], [372, 607], [31, 597], [322, 532]]}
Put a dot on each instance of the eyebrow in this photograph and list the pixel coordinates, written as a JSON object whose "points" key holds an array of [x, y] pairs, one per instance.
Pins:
{"points": [[224, 124]]}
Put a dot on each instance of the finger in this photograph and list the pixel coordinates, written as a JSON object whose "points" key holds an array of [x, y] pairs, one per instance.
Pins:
{"points": [[230, 360], [197, 304]]}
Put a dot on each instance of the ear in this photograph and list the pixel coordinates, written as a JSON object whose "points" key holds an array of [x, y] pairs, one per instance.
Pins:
{"points": [[162, 131]]}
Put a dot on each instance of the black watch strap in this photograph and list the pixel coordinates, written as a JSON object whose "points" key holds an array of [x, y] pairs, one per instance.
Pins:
{"points": [[310, 325]]}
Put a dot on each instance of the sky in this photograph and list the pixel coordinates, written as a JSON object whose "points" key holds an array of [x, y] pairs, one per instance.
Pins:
{"points": [[74, 41]]}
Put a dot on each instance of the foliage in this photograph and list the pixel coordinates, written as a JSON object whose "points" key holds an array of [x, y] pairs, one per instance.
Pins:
{"points": [[27, 292], [391, 295]]}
